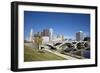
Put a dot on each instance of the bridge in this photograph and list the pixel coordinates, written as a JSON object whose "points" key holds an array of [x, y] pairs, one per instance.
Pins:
{"points": [[61, 44], [60, 47]]}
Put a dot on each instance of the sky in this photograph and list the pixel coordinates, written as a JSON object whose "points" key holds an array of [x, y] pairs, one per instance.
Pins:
{"points": [[66, 24]]}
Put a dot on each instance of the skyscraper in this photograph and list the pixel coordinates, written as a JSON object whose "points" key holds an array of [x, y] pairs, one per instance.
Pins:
{"points": [[31, 35], [46, 32], [79, 36], [51, 34]]}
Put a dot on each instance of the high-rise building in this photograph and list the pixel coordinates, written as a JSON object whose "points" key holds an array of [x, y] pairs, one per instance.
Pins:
{"points": [[46, 32], [31, 35], [79, 36], [41, 33], [50, 34]]}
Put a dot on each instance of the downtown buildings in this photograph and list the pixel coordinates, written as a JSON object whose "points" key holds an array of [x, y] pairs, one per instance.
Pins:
{"points": [[46, 34]]}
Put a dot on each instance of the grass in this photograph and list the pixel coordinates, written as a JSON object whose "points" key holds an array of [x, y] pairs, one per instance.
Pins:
{"points": [[33, 54]]}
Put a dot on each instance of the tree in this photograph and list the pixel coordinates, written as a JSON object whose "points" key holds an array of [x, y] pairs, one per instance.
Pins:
{"points": [[87, 39], [38, 41]]}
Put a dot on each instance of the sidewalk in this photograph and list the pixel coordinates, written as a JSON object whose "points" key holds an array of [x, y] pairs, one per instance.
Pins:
{"points": [[64, 56]]}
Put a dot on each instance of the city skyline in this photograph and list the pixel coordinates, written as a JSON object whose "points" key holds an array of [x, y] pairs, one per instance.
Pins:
{"points": [[66, 24]]}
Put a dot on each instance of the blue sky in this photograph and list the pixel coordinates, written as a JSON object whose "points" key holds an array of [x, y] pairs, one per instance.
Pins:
{"points": [[66, 24]]}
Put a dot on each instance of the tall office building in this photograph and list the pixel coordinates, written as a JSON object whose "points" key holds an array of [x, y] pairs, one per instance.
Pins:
{"points": [[41, 33], [79, 36], [45, 32], [50, 34], [31, 35]]}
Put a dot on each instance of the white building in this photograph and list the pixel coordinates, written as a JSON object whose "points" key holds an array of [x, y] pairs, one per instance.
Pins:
{"points": [[50, 34], [45, 39], [31, 35], [79, 36]]}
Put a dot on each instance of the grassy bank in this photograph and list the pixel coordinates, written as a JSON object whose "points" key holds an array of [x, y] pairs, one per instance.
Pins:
{"points": [[33, 54]]}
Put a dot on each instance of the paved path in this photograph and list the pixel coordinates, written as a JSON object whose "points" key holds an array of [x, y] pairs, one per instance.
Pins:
{"points": [[64, 56]]}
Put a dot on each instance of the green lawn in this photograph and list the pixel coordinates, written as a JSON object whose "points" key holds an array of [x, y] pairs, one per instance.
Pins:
{"points": [[32, 54]]}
